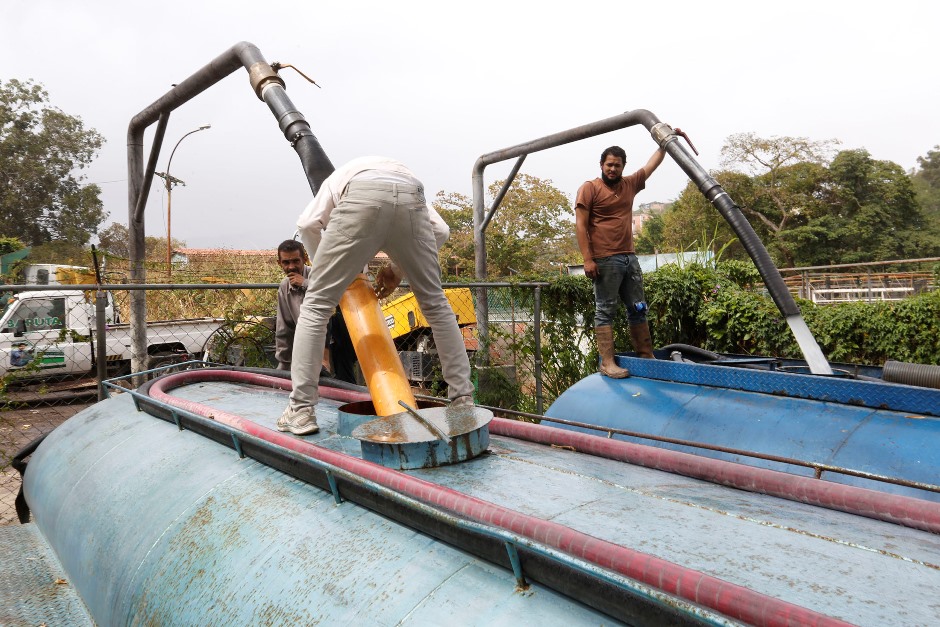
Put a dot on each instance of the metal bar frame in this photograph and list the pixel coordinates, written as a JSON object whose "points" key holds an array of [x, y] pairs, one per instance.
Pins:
{"points": [[268, 87], [667, 139], [817, 467]]}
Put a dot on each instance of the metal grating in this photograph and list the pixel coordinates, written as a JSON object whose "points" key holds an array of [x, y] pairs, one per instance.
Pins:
{"points": [[878, 395], [34, 590]]}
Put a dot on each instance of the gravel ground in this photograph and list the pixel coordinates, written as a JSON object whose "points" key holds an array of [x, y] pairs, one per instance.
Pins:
{"points": [[19, 427]]}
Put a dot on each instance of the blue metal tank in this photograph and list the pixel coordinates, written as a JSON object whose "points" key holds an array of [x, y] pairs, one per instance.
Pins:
{"points": [[176, 518], [161, 526], [869, 427]]}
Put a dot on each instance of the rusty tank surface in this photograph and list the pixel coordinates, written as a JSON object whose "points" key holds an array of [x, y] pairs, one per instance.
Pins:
{"points": [[180, 503]]}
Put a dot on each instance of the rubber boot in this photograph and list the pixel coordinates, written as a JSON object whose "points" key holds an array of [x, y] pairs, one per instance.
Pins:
{"points": [[642, 342], [605, 348]]}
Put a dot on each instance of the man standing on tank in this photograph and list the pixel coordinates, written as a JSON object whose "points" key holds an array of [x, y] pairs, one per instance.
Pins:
{"points": [[371, 204], [604, 222]]}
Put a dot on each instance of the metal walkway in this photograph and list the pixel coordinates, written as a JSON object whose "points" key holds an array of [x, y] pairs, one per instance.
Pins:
{"points": [[34, 589]]}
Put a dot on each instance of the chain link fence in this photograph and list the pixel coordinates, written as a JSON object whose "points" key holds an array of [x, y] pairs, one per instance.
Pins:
{"points": [[48, 350]]}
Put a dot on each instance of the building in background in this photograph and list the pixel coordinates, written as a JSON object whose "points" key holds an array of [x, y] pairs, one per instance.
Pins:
{"points": [[645, 211]]}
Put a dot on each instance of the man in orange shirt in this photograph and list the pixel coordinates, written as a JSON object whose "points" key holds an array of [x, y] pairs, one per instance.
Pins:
{"points": [[604, 222]]}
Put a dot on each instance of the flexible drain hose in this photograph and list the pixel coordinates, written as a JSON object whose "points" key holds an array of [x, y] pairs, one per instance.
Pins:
{"points": [[924, 375]]}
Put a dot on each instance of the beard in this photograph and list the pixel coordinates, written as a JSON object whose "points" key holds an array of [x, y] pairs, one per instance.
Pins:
{"points": [[610, 182]]}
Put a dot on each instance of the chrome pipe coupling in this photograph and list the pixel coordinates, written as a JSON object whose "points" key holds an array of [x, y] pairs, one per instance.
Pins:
{"points": [[662, 133]]}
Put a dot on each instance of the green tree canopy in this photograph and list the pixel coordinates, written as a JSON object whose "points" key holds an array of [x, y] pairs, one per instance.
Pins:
{"points": [[927, 188], [809, 211], [42, 196], [457, 256], [651, 238], [531, 233], [872, 212], [10, 245], [788, 178]]}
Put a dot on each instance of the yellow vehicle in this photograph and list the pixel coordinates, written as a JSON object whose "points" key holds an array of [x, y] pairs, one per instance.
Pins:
{"points": [[412, 334], [404, 317]]}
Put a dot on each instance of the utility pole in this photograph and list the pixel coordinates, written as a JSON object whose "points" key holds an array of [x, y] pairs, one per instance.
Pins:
{"points": [[169, 182]]}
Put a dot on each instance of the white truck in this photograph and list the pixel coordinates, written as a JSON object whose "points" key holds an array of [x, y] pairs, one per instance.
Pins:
{"points": [[52, 333]]}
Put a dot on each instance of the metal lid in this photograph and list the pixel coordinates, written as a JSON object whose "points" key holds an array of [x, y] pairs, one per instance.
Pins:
{"points": [[403, 427]]}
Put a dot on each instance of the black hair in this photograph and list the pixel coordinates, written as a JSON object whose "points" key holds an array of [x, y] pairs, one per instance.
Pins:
{"points": [[616, 151], [289, 246]]}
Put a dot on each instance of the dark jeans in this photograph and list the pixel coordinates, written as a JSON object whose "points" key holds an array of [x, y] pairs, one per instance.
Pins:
{"points": [[619, 279]]}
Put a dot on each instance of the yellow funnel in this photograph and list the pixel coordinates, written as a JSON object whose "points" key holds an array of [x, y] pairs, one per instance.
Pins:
{"points": [[378, 358]]}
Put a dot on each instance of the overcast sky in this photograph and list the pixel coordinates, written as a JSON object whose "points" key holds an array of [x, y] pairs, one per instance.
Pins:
{"points": [[437, 84]]}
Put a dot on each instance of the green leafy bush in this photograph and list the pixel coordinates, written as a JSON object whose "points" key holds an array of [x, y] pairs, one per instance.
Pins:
{"points": [[871, 333], [725, 308]]}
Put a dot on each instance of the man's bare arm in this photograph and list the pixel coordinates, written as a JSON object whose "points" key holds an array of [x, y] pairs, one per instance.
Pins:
{"points": [[584, 243], [654, 162]]}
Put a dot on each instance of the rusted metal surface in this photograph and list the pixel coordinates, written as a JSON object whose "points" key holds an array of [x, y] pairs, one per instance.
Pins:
{"points": [[429, 424], [858, 570]]}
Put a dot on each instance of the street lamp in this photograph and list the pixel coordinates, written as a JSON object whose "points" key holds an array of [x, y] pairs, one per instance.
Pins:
{"points": [[170, 181]]}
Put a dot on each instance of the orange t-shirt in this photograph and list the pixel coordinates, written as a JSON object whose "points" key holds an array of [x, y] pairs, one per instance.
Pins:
{"points": [[610, 213]]}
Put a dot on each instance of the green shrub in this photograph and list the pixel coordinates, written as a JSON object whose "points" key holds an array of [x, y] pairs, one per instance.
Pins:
{"points": [[725, 308], [871, 333]]}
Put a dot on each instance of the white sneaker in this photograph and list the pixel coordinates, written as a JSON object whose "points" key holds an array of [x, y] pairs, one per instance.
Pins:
{"points": [[462, 401], [284, 420], [301, 421]]}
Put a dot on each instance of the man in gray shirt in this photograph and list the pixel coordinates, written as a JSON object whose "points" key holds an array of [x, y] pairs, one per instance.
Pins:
{"points": [[290, 293], [338, 355]]}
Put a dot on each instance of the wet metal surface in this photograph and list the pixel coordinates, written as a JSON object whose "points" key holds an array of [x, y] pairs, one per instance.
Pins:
{"points": [[160, 526], [182, 503], [828, 561], [404, 441], [403, 428], [351, 415]]}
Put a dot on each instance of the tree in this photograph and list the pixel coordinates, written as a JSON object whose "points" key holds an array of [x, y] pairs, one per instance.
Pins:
{"points": [[10, 245], [807, 213], [115, 239], [531, 233], [652, 236], [927, 188], [457, 255], [42, 197], [930, 167], [789, 176], [873, 214]]}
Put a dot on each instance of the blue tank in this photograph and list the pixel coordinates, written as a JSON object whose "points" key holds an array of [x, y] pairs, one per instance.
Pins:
{"points": [[801, 424], [194, 510]]}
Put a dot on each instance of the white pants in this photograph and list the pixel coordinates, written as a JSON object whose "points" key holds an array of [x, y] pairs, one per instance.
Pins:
{"points": [[373, 216]]}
